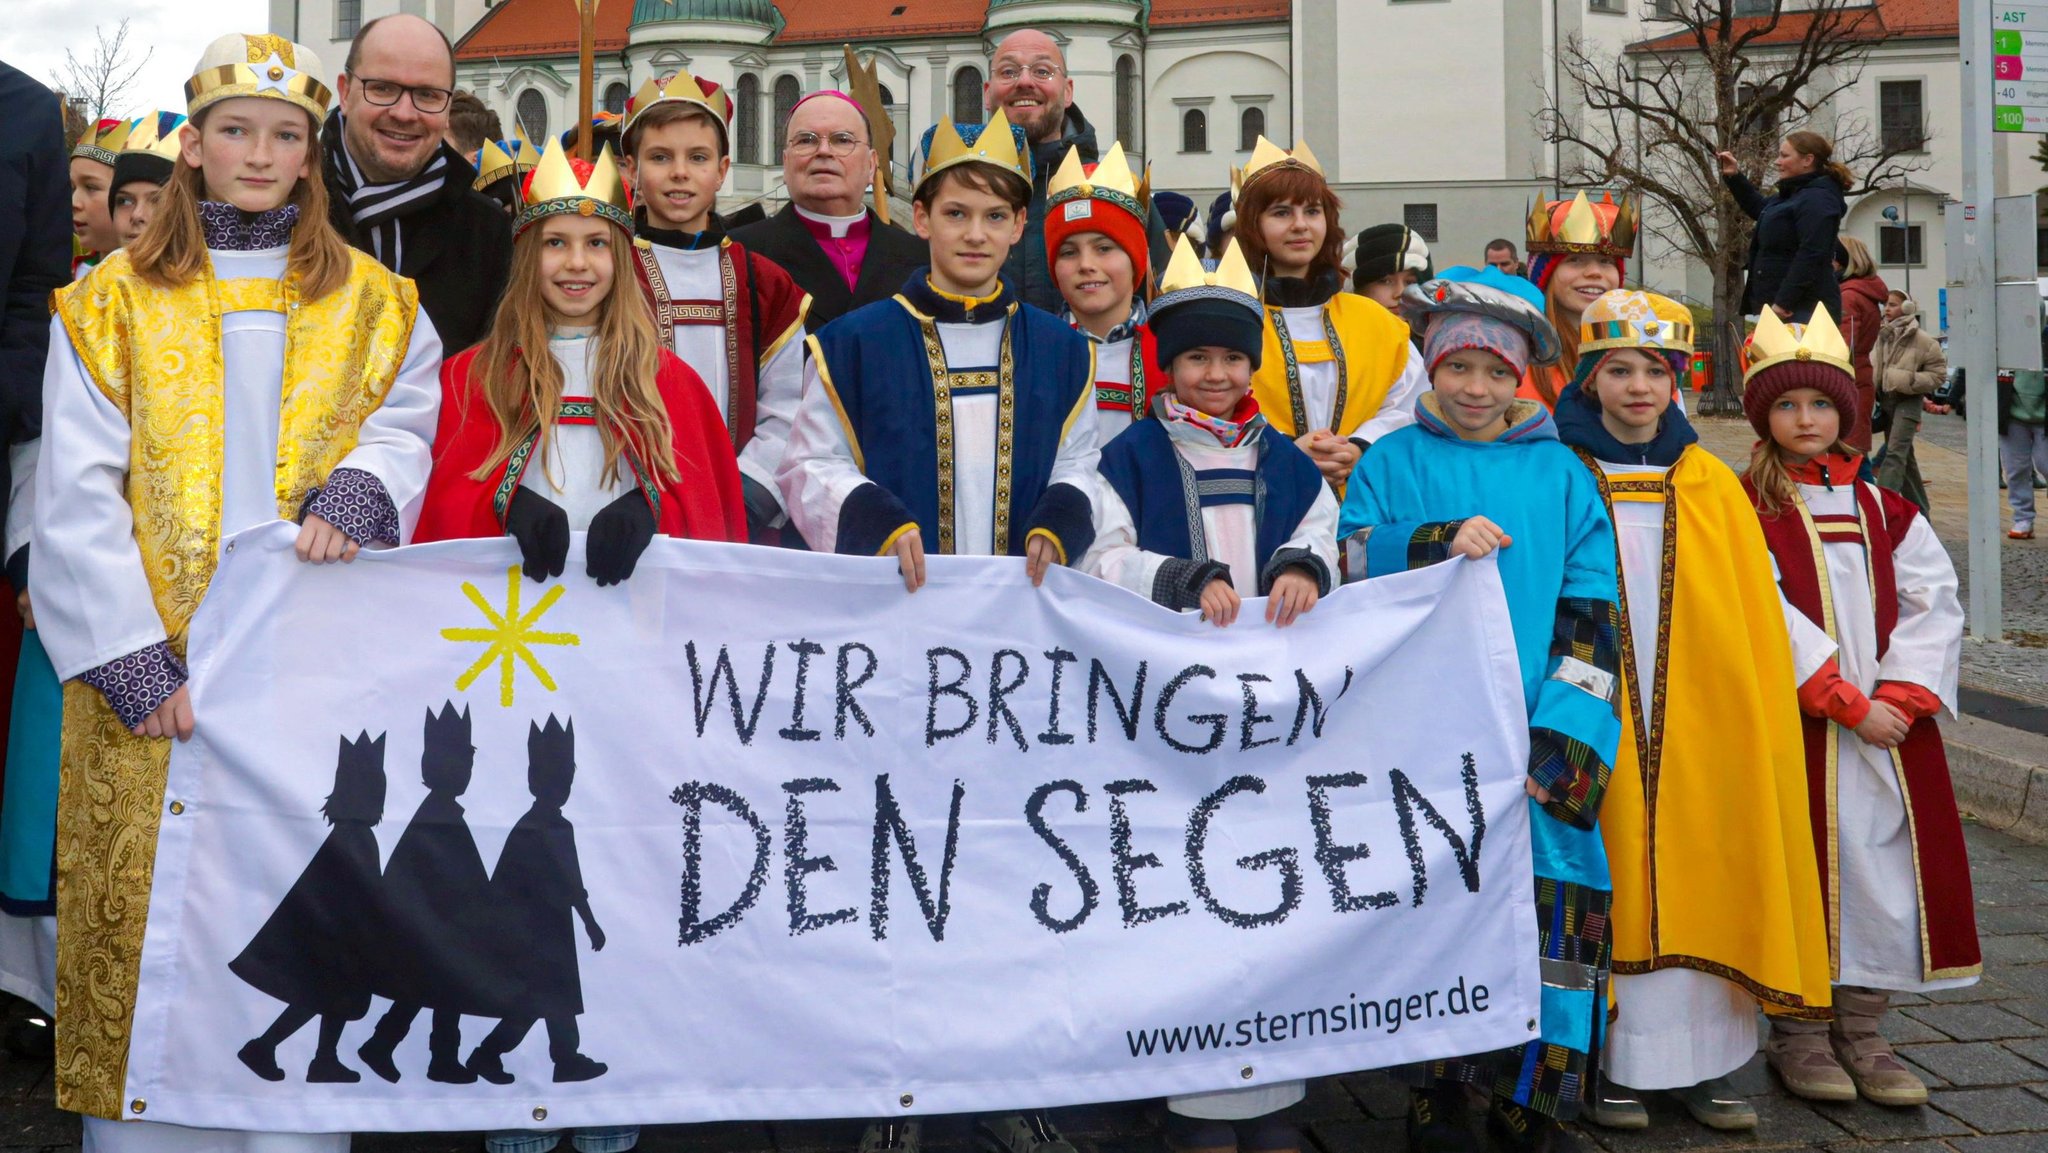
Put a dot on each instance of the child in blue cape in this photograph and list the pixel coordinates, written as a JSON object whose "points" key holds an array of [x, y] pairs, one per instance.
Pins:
{"points": [[1481, 473]]}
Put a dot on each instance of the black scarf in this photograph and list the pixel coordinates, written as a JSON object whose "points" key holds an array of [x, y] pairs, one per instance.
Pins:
{"points": [[376, 209], [1302, 292]]}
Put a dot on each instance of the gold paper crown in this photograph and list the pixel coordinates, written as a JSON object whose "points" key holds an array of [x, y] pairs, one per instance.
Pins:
{"points": [[147, 135], [1632, 319], [1112, 181], [554, 188], [102, 141], [996, 143], [1776, 342], [1570, 227], [1184, 273], [1267, 158], [499, 159], [258, 65], [682, 88]]}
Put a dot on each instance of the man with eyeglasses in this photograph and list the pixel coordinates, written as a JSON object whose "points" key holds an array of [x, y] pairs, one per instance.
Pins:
{"points": [[1027, 79], [398, 192], [827, 238]]}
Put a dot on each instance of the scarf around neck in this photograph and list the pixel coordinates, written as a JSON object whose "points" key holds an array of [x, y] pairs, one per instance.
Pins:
{"points": [[229, 229], [1185, 422], [376, 210]]}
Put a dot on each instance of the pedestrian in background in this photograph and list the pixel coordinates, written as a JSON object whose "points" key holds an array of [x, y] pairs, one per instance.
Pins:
{"points": [[1863, 312], [1790, 253], [1908, 365]]}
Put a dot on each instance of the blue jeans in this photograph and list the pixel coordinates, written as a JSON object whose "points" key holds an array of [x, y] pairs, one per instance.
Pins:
{"points": [[596, 1139]]}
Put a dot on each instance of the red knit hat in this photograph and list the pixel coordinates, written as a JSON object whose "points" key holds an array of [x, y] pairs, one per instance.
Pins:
{"points": [[1077, 203], [1764, 389]]}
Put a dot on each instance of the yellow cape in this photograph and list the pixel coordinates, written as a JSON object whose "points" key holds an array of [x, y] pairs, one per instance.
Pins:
{"points": [[1373, 347], [1705, 819]]}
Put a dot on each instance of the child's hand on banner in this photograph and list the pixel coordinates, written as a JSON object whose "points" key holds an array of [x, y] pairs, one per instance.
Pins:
{"points": [[321, 543], [1478, 537], [909, 553], [1220, 602], [1040, 554], [1294, 592]]}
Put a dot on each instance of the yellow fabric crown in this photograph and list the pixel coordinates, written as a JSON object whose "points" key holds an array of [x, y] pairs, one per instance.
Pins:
{"points": [[1267, 158], [1776, 342], [499, 159], [258, 65], [1626, 318], [1185, 271]]}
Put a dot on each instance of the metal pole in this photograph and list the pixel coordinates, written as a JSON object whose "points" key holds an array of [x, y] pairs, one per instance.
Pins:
{"points": [[1979, 332], [1906, 201]]}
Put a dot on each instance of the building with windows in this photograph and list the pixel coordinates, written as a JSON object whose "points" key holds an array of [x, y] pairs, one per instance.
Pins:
{"points": [[1421, 111]]}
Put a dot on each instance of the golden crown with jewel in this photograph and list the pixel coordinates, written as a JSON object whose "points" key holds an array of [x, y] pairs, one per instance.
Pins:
{"points": [[1112, 181], [556, 188], [149, 136], [997, 143], [1628, 318], [1268, 158], [101, 142], [1186, 279], [682, 88], [1577, 226], [258, 65], [1776, 342]]}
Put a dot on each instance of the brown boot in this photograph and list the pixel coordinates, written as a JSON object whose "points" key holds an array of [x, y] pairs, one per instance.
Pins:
{"points": [[1879, 1074], [1798, 1052]]}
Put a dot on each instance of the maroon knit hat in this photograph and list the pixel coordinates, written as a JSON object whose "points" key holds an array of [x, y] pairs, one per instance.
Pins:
{"points": [[1764, 389]]}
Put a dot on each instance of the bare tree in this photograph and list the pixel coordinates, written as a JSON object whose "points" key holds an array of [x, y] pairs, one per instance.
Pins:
{"points": [[1650, 120], [99, 83]]}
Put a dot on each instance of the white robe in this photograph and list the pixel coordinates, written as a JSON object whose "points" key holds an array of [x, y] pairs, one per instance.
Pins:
{"points": [[694, 274], [93, 601], [1113, 367], [1230, 530], [1319, 383], [1677, 1027], [818, 473], [1880, 913], [570, 467]]}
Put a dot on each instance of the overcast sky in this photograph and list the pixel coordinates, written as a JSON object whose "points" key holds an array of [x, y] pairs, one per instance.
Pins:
{"points": [[35, 33]]}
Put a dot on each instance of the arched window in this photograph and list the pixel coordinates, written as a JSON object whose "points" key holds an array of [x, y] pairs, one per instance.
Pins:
{"points": [[1194, 131], [1127, 101], [746, 115], [532, 111], [615, 98], [967, 96], [888, 97], [788, 90], [1250, 126]]}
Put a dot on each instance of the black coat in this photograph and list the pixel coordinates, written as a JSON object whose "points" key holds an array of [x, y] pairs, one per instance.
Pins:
{"points": [[1028, 270], [315, 950], [458, 250], [893, 254], [35, 247], [534, 894], [1792, 251]]}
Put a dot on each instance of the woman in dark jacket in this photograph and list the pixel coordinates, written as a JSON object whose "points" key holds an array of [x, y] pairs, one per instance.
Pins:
{"points": [[1791, 254]]}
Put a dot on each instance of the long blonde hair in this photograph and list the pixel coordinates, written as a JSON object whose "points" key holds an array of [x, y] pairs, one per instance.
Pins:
{"points": [[1771, 477], [521, 382], [171, 252]]}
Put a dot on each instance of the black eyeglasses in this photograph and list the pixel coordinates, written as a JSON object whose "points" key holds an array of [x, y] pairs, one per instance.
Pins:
{"points": [[385, 93]]}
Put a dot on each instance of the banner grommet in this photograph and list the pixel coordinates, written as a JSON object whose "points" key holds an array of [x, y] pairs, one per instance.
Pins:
{"points": [[137, 1106], [1245, 1072], [540, 1113], [905, 1100]]}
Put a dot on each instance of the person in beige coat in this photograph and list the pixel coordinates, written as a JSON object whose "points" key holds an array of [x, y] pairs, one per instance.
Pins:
{"points": [[1908, 365]]}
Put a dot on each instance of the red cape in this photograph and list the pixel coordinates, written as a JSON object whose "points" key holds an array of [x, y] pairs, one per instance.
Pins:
{"points": [[704, 505]]}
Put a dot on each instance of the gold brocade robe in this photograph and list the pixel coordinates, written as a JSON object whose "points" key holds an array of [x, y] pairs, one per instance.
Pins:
{"points": [[156, 354], [1705, 819], [1370, 350]]}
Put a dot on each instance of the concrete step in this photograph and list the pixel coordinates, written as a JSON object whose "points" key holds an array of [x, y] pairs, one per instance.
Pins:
{"points": [[2000, 774]]}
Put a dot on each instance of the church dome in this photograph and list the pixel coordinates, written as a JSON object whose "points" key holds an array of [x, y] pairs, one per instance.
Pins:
{"points": [[762, 12]]}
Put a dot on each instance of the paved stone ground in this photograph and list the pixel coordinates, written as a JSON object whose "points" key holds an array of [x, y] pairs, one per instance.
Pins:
{"points": [[1983, 1050]]}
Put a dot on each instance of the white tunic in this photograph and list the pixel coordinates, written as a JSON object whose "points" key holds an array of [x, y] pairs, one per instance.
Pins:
{"points": [[568, 468], [1880, 913], [1319, 383], [819, 473], [1231, 531], [694, 274], [92, 599], [1677, 1027], [1113, 367]]}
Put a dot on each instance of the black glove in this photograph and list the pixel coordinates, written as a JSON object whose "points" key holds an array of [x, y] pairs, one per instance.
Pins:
{"points": [[542, 529], [619, 533]]}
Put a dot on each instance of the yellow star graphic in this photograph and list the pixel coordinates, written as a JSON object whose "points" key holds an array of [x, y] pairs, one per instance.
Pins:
{"points": [[509, 637]]}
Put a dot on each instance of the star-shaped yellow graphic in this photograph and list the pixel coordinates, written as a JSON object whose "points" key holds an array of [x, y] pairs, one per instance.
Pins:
{"points": [[509, 636]]}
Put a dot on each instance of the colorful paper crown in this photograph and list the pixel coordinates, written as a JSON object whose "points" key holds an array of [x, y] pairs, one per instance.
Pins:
{"points": [[682, 88], [1776, 342], [559, 185], [498, 159], [1109, 179], [1268, 158], [103, 141], [258, 65], [1627, 318], [1576, 226], [997, 143], [157, 134], [1185, 279]]}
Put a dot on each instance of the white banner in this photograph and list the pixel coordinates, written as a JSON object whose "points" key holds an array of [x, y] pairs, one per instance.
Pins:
{"points": [[803, 845]]}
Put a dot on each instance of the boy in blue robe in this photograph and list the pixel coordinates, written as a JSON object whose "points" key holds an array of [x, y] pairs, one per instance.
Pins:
{"points": [[952, 418], [1481, 472], [1201, 507]]}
